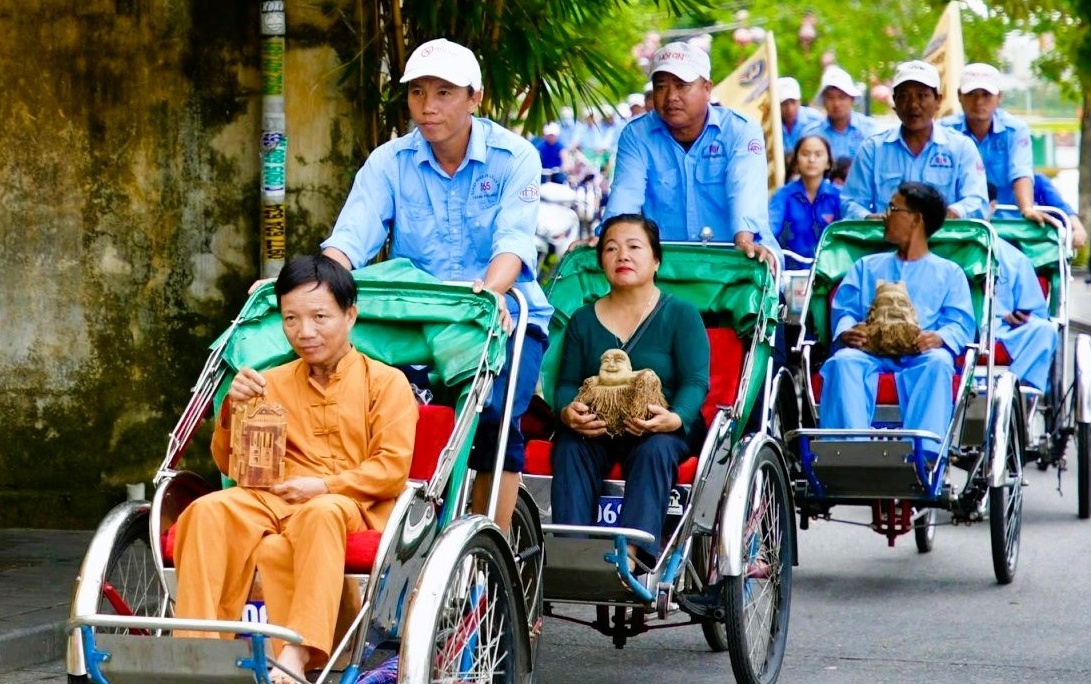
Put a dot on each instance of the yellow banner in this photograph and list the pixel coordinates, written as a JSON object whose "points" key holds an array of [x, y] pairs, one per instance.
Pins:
{"points": [[751, 91], [945, 52]]}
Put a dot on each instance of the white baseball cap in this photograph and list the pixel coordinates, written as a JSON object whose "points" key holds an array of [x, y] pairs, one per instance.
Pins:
{"points": [[978, 76], [836, 77], [918, 71], [635, 100], [443, 59], [788, 89], [552, 128], [684, 61]]}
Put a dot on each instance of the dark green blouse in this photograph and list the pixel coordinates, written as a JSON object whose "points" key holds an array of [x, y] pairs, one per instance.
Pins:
{"points": [[674, 345]]}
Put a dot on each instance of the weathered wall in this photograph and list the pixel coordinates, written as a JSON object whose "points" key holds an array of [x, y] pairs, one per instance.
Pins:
{"points": [[128, 230]]}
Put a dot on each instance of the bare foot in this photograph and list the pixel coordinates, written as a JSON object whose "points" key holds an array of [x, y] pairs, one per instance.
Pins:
{"points": [[292, 659]]}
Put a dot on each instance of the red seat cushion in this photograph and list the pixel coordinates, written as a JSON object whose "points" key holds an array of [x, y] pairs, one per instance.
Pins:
{"points": [[434, 428], [538, 462], [888, 389], [724, 371]]}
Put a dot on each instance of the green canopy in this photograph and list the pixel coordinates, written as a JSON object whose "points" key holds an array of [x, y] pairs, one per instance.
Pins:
{"points": [[1045, 248], [728, 289], [405, 317], [968, 243]]}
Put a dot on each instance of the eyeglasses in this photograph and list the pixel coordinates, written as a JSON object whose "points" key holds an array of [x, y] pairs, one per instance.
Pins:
{"points": [[891, 209]]}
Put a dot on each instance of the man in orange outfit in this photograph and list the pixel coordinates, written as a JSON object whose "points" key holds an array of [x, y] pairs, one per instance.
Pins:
{"points": [[351, 425]]}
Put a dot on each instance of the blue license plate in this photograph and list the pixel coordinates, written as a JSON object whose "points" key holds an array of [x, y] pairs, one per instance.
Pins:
{"points": [[609, 511]]}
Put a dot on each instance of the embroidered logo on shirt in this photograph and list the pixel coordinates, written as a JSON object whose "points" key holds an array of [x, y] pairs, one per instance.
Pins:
{"points": [[485, 187], [713, 150], [941, 161], [529, 193], [827, 218], [980, 167], [755, 147], [1023, 142]]}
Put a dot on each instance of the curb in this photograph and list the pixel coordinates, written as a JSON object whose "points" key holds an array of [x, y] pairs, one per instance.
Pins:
{"points": [[34, 644]]}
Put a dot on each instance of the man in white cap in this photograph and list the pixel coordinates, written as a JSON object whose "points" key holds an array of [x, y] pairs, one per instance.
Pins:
{"points": [[636, 105], [689, 166], [551, 153], [1002, 139], [459, 196], [842, 127], [794, 116], [919, 150]]}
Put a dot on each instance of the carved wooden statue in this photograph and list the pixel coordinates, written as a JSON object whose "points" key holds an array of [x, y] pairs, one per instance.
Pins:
{"points": [[892, 325], [618, 392]]}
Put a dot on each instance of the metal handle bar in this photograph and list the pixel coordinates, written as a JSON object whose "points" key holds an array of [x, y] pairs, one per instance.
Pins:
{"points": [[173, 624]]}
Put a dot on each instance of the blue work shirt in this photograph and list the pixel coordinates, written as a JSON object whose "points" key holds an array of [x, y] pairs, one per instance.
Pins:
{"points": [[1005, 150], [720, 182], [798, 223], [1046, 195], [844, 143], [549, 154], [806, 117], [949, 162], [449, 226]]}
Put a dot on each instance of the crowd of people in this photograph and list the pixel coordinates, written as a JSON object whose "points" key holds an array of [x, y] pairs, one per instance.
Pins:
{"points": [[458, 197]]}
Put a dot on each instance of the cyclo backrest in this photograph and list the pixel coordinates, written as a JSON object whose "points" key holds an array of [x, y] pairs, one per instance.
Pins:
{"points": [[731, 292], [404, 317], [1046, 249], [968, 243]]}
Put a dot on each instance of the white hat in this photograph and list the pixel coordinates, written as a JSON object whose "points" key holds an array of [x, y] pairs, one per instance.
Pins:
{"points": [[648, 87], [836, 77], [635, 100], [552, 128], [788, 89], [683, 60], [978, 76], [918, 71], [625, 111], [443, 59]]}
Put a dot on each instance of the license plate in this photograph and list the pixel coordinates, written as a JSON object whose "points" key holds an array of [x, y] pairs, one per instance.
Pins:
{"points": [[609, 511]]}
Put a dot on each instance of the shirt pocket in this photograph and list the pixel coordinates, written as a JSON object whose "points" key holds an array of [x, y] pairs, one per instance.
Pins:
{"points": [[479, 226], [941, 179], [712, 170], [415, 235]]}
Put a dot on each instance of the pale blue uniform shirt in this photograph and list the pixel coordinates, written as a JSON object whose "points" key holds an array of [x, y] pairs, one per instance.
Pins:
{"points": [[720, 182], [844, 143], [1031, 345], [449, 226], [949, 162], [1005, 150], [806, 117], [941, 295]]}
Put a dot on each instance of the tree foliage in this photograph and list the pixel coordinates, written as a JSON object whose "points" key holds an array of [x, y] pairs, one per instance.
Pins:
{"points": [[536, 55]]}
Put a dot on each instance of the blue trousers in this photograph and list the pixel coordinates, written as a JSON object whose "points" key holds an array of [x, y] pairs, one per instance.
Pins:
{"points": [[1031, 346], [488, 428], [648, 464], [851, 383]]}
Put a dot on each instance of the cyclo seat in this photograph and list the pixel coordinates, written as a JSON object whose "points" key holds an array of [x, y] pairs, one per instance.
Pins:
{"points": [[434, 428]]}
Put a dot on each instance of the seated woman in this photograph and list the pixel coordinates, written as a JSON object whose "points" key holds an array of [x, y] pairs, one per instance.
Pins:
{"points": [[350, 430], [658, 332], [801, 210], [940, 294]]}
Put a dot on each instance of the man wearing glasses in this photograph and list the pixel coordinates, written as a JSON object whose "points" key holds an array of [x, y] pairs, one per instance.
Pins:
{"points": [[919, 150], [940, 294]]}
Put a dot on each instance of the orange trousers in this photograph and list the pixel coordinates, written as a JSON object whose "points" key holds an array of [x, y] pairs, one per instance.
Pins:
{"points": [[298, 549]]}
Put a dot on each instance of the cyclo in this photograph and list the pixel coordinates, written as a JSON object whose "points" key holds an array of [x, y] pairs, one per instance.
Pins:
{"points": [[885, 468], [440, 586], [1064, 409], [726, 562]]}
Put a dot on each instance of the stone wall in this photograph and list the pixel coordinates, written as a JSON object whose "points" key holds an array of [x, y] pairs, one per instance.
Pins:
{"points": [[129, 160]]}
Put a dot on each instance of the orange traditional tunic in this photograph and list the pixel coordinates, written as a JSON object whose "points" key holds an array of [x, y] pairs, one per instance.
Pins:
{"points": [[356, 433]]}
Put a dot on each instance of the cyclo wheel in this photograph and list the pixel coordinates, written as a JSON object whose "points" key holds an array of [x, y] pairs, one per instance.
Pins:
{"points": [[924, 530], [758, 602], [1083, 469], [131, 583], [1006, 509], [475, 639], [525, 534]]}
